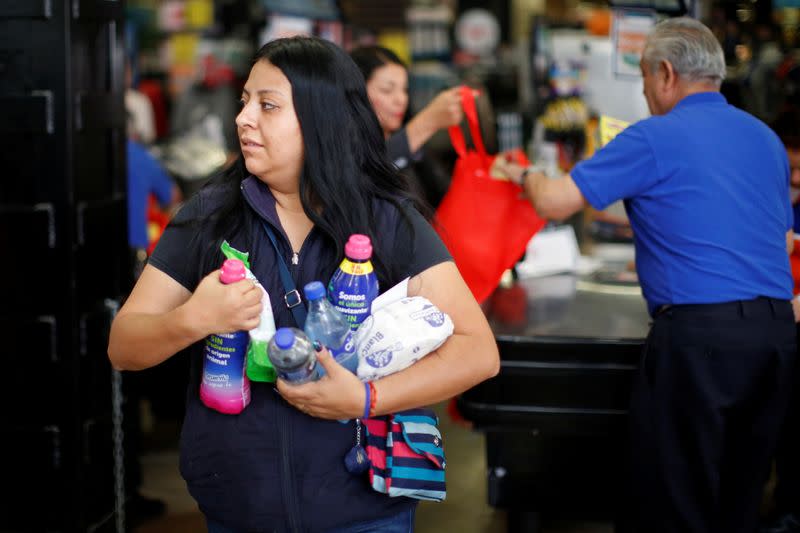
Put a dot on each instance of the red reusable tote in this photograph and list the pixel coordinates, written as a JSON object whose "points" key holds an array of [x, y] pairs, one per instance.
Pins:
{"points": [[485, 223]]}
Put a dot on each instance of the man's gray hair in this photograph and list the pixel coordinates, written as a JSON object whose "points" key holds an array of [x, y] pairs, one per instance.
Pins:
{"points": [[689, 46]]}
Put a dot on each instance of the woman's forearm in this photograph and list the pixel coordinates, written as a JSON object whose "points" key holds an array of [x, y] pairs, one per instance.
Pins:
{"points": [[461, 363], [142, 340], [420, 129]]}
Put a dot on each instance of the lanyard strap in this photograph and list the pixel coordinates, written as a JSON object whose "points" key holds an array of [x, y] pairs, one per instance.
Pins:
{"points": [[292, 297]]}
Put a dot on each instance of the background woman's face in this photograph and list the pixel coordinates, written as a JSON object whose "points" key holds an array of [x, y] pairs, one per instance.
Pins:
{"points": [[268, 129], [387, 89]]}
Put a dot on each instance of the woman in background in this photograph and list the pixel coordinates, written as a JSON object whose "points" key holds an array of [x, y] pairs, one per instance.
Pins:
{"points": [[386, 77]]}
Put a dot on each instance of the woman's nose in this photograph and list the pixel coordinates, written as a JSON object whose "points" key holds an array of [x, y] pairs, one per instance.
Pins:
{"points": [[245, 117]]}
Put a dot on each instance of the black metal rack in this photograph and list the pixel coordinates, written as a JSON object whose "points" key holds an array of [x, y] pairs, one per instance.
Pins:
{"points": [[64, 244]]}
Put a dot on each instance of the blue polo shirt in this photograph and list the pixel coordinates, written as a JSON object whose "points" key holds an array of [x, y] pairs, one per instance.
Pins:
{"points": [[706, 188], [145, 176]]}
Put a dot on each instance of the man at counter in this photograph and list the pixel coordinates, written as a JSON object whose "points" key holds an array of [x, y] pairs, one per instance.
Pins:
{"points": [[705, 186]]}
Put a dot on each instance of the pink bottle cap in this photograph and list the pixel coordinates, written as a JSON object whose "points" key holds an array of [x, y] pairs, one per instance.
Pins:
{"points": [[232, 271], [358, 247]]}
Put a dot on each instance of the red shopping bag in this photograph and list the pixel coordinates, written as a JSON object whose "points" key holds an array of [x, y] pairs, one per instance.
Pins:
{"points": [[157, 221], [485, 223]]}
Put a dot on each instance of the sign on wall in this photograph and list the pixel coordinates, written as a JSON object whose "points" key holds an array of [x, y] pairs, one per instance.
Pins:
{"points": [[629, 31]]}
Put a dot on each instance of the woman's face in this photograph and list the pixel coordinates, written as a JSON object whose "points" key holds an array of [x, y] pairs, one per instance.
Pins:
{"points": [[268, 129], [387, 89]]}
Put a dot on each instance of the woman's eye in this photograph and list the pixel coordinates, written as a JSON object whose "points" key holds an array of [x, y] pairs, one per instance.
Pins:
{"points": [[241, 102], [266, 106]]}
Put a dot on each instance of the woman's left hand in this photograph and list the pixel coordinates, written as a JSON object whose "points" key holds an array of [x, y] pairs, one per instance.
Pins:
{"points": [[339, 395]]}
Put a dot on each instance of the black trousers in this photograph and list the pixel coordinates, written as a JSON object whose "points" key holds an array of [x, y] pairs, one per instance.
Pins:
{"points": [[787, 457], [707, 406]]}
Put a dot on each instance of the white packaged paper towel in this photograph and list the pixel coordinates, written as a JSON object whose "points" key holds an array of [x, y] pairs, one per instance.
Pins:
{"points": [[398, 334]]}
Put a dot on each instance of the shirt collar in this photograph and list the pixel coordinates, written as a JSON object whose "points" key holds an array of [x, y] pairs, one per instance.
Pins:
{"points": [[260, 198], [710, 97]]}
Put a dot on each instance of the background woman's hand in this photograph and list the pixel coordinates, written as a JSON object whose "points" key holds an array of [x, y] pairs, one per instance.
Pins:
{"points": [[219, 308], [339, 395], [442, 112], [445, 109]]}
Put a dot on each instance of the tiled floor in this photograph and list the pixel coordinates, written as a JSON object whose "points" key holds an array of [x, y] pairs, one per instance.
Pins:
{"points": [[464, 511]]}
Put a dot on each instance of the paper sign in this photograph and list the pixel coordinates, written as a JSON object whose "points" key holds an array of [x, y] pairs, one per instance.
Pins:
{"points": [[629, 31], [609, 128]]}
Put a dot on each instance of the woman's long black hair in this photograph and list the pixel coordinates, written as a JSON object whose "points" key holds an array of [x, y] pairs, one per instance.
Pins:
{"points": [[370, 58], [345, 166]]}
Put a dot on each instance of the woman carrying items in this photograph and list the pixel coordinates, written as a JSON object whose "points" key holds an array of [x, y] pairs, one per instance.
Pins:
{"points": [[313, 169]]}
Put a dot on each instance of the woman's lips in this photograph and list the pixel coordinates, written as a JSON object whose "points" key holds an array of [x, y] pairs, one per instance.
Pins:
{"points": [[249, 145]]}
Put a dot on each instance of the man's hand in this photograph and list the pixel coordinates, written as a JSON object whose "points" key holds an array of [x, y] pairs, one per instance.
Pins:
{"points": [[504, 169]]}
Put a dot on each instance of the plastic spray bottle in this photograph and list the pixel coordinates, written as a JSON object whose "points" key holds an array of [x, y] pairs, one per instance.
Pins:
{"points": [[259, 367]]}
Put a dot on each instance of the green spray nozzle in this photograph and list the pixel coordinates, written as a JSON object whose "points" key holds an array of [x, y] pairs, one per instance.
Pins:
{"points": [[232, 253]]}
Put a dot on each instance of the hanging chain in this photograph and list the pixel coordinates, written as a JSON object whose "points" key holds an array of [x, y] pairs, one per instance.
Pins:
{"points": [[358, 431], [118, 436]]}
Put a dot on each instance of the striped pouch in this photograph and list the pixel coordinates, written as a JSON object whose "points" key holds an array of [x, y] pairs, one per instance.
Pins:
{"points": [[406, 455]]}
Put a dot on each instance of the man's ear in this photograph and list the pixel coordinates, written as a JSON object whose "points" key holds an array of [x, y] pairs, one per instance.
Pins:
{"points": [[667, 75]]}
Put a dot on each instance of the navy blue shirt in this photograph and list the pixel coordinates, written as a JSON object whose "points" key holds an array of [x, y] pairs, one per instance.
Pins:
{"points": [[706, 188], [273, 468], [145, 176]]}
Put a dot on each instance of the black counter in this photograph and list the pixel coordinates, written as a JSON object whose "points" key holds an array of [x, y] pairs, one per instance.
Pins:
{"points": [[555, 416]]}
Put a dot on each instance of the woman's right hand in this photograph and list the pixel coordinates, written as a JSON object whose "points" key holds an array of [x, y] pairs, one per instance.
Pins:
{"points": [[215, 307], [445, 108]]}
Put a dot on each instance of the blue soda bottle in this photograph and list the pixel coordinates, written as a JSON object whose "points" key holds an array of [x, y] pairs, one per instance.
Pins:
{"points": [[225, 386], [354, 284], [293, 356], [326, 325]]}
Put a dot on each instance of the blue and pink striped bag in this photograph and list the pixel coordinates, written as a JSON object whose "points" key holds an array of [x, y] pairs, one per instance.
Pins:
{"points": [[406, 455]]}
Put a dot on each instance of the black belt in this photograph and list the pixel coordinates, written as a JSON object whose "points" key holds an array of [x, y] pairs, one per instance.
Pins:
{"points": [[762, 304]]}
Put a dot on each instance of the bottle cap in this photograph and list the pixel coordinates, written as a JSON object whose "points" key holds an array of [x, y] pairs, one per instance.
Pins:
{"points": [[314, 290], [358, 247], [284, 338], [232, 271]]}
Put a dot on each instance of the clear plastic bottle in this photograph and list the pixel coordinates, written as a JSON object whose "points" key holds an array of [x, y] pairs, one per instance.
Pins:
{"points": [[354, 284], [225, 386], [293, 356], [326, 325]]}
